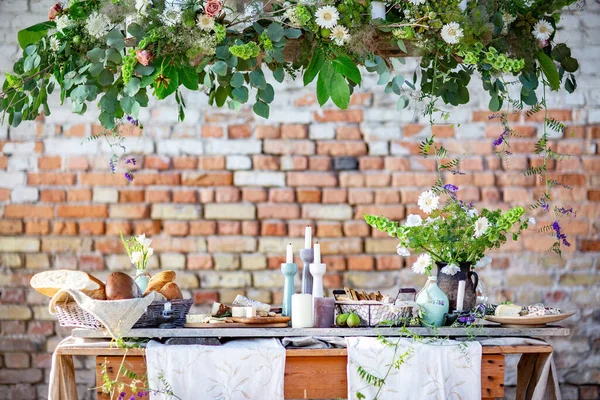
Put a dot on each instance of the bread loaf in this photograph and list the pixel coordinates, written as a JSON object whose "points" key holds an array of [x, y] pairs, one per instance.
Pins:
{"points": [[171, 291], [159, 280], [120, 286], [50, 282]]}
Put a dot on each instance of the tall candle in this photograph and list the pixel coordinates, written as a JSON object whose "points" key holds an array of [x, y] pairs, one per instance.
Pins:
{"points": [[302, 310], [307, 237], [317, 258], [289, 255], [460, 296]]}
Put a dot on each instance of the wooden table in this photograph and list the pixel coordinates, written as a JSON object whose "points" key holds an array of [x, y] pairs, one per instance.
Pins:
{"points": [[317, 373]]}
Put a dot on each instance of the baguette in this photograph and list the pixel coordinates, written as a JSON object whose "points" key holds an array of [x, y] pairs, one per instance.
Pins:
{"points": [[171, 291], [49, 283], [159, 280]]}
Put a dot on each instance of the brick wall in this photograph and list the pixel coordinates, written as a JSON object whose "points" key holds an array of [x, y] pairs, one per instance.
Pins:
{"points": [[222, 193]]}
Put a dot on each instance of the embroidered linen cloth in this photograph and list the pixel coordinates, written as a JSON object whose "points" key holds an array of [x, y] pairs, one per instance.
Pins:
{"points": [[237, 370], [440, 369]]}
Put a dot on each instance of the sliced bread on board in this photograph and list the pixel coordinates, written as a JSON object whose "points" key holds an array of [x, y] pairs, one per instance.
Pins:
{"points": [[50, 282]]}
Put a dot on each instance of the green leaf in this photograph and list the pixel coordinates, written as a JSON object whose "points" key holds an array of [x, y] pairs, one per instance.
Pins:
{"points": [[402, 46], [142, 98], [240, 94], [549, 69], [324, 83], [495, 103], [261, 109], [105, 78], [237, 80], [188, 77], [279, 74], [127, 104], [292, 33], [144, 70], [136, 30], [570, 64], [275, 32], [257, 79], [560, 52], [115, 39], [339, 91], [345, 66], [221, 96], [314, 66], [267, 95], [107, 120], [163, 89], [34, 33], [219, 68], [132, 87], [96, 55]]}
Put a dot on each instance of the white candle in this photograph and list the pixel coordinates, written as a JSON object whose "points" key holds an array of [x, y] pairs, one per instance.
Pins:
{"points": [[317, 257], [377, 10], [302, 310], [460, 296], [307, 237], [289, 255]]}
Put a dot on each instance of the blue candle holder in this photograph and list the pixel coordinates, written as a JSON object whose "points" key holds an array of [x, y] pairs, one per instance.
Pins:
{"points": [[307, 256], [289, 272]]}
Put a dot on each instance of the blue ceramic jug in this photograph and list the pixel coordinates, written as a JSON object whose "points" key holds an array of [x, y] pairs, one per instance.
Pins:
{"points": [[434, 303]]}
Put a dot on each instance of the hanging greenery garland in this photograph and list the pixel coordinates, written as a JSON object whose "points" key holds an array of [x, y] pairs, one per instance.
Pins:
{"points": [[117, 53]]}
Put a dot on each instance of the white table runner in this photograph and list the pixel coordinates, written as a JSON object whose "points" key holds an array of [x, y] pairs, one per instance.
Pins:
{"points": [[442, 369], [244, 369]]}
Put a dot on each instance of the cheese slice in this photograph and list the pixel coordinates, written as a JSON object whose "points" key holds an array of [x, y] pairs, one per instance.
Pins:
{"points": [[508, 310], [250, 312], [195, 318], [238, 312]]}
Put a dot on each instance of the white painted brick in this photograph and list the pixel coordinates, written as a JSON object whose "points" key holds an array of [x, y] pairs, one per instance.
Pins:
{"points": [[142, 145], [24, 195], [105, 195], [172, 261], [378, 148], [22, 162], [221, 146], [470, 131], [12, 179], [173, 147], [19, 148], [256, 178], [25, 131], [380, 131], [398, 149], [237, 163], [74, 147], [322, 131]]}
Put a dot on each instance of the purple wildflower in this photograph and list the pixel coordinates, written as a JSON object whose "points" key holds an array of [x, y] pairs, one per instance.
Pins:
{"points": [[130, 161], [129, 176], [132, 398], [142, 394], [559, 235], [500, 139], [122, 396], [466, 319], [132, 120], [545, 205], [567, 211], [451, 188], [113, 166]]}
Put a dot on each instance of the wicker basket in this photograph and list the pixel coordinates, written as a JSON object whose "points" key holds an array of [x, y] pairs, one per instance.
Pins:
{"points": [[374, 313], [72, 315]]}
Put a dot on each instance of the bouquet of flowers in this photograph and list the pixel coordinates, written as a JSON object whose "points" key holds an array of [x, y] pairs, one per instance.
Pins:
{"points": [[454, 234], [139, 250]]}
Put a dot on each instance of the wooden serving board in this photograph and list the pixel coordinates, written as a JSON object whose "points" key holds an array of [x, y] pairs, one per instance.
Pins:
{"points": [[236, 325], [262, 320], [532, 321]]}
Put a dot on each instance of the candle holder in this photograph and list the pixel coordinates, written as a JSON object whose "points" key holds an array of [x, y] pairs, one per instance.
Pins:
{"points": [[289, 272], [317, 271], [307, 256]]}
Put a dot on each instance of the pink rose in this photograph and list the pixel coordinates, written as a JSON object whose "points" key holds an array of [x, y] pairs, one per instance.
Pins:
{"points": [[542, 43], [54, 11], [143, 56], [213, 8]]}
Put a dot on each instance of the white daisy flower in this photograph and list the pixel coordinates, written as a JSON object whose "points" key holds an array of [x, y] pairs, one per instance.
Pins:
{"points": [[451, 33], [472, 212], [170, 17], [144, 241], [451, 269], [402, 251], [531, 221], [483, 262], [327, 17], [137, 257], [54, 44], [142, 7], [98, 25], [542, 30], [205, 22], [418, 2], [423, 262], [481, 226], [428, 201], [63, 22], [413, 220], [340, 35]]}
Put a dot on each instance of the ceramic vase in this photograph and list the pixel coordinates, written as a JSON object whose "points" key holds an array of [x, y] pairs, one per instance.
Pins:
{"points": [[433, 302], [142, 277], [449, 285]]}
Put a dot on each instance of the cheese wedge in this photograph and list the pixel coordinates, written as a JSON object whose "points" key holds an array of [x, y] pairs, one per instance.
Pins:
{"points": [[238, 312], [508, 310]]}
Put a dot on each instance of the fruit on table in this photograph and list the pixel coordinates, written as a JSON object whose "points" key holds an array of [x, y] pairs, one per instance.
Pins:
{"points": [[353, 320], [341, 319]]}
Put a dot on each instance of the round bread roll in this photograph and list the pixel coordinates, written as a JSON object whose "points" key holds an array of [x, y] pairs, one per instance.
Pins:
{"points": [[49, 283], [120, 286], [159, 280], [171, 291]]}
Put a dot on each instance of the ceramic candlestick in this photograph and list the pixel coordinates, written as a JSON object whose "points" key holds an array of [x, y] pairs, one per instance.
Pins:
{"points": [[306, 255], [289, 272], [317, 271]]}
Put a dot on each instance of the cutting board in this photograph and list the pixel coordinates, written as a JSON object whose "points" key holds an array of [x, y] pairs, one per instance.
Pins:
{"points": [[262, 320], [236, 325]]}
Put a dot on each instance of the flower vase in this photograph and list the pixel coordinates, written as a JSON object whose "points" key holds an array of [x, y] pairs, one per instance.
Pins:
{"points": [[449, 285], [142, 277], [433, 302]]}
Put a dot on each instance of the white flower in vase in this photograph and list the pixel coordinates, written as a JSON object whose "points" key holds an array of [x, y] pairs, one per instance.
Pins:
{"points": [[451, 269], [483, 262], [451, 33], [144, 241], [63, 22], [423, 262], [413, 220], [98, 25], [54, 44], [402, 251], [542, 30], [472, 212], [340, 35], [428, 201], [205, 23], [418, 2], [481, 226], [327, 17], [142, 7], [137, 257], [150, 252], [170, 17]]}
